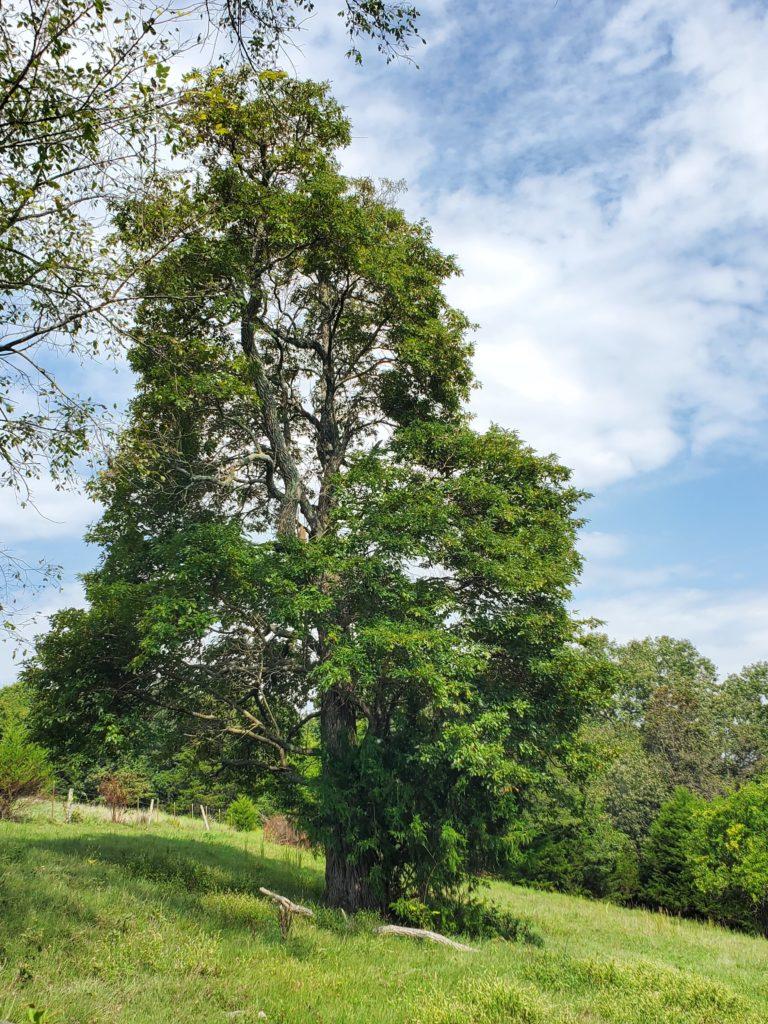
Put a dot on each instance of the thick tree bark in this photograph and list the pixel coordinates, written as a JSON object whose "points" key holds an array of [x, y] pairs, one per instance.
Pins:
{"points": [[347, 883]]}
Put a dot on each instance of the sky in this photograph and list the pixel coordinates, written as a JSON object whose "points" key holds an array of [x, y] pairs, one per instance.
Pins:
{"points": [[600, 170]]}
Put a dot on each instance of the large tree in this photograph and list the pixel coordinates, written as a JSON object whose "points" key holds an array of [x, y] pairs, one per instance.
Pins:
{"points": [[317, 553]]}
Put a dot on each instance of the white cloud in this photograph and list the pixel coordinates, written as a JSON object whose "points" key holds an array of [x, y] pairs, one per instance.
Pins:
{"points": [[730, 627], [621, 333], [600, 546], [33, 620], [621, 299], [50, 515]]}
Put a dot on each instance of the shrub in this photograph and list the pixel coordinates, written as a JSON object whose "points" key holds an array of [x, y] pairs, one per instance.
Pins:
{"points": [[120, 788], [730, 858], [467, 916], [24, 768], [281, 830], [574, 848], [667, 864], [486, 921], [243, 814]]}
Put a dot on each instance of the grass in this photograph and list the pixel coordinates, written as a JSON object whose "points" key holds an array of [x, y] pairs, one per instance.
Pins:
{"points": [[121, 924]]}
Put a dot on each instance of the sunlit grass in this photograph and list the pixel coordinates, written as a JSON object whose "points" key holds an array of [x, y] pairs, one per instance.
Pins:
{"points": [[129, 923]]}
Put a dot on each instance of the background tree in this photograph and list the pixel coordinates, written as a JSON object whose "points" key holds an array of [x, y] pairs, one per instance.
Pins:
{"points": [[645, 665], [632, 783], [78, 87], [667, 692], [399, 645], [263, 27], [662, 728], [742, 714], [667, 867], [88, 720], [565, 838]]}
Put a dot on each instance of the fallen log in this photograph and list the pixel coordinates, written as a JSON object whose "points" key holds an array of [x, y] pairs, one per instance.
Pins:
{"points": [[285, 910], [423, 933]]}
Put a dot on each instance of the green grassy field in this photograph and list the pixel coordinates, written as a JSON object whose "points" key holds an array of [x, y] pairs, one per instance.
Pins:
{"points": [[121, 924]]}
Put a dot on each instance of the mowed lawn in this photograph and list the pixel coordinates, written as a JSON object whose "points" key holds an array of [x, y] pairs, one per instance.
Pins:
{"points": [[121, 924]]}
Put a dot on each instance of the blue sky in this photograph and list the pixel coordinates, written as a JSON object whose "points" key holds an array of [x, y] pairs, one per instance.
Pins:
{"points": [[600, 171]]}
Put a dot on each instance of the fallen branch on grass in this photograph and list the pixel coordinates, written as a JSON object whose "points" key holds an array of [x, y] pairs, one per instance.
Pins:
{"points": [[423, 933], [285, 910]]}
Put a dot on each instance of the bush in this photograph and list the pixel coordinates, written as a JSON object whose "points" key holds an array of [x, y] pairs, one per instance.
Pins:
{"points": [[243, 814], [574, 848], [281, 830], [24, 768], [467, 916], [730, 858], [120, 788], [667, 863], [710, 858]]}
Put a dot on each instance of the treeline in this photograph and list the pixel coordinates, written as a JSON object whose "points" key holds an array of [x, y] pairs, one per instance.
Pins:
{"points": [[152, 756], [663, 798]]}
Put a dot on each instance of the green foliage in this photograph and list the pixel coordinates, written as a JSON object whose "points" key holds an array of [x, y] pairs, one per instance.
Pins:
{"points": [[742, 713], [14, 704], [586, 825], [565, 840], [645, 665], [91, 730], [710, 858], [467, 915], [667, 864], [243, 814], [668, 691], [24, 767], [631, 782], [297, 444], [730, 858]]}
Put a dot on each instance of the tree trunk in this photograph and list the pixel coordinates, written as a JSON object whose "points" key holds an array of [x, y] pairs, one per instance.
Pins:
{"points": [[347, 884]]}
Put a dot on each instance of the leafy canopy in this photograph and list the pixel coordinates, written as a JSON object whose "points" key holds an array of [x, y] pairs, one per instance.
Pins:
{"points": [[312, 553]]}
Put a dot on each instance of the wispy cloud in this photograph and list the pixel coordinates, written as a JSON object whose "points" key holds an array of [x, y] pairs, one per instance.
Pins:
{"points": [[34, 620], [600, 177], [50, 516], [728, 626]]}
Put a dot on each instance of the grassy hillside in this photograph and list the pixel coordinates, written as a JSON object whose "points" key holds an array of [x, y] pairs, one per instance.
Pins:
{"points": [[121, 924]]}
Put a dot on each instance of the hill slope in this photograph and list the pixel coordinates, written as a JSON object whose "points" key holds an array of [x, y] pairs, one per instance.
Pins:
{"points": [[123, 924]]}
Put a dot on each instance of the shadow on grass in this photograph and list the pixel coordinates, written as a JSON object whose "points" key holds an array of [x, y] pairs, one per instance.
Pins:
{"points": [[208, 881]]}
